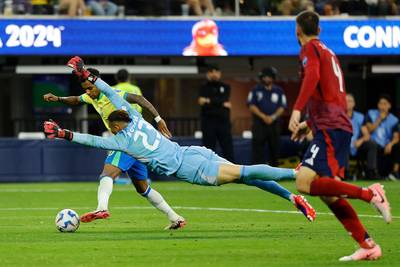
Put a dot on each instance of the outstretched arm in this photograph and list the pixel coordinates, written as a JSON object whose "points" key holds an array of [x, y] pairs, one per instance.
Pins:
{"points": [[69, 100], [78, 66], [52, 131], [109, 143]]}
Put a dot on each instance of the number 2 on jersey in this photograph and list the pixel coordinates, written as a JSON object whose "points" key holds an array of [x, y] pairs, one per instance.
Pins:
{"points": [[138, 133], [338, 74]]}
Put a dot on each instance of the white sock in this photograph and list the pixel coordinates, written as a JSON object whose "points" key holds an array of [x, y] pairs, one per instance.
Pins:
{"points": [[104, 192], [159, 203]]}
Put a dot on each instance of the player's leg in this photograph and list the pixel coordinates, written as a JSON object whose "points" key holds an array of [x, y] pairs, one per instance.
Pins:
{"points": [[297, 200], [202, 166], [347, 216], [139, 175], [230, 173], [107, 177], [326, 156]]}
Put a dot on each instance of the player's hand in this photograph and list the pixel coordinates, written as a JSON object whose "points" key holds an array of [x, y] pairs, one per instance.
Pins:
{"points": [[52, 131], [294, 120], [162, 127], [50, 97], [301, 132], [388, 149], [78, 68]]}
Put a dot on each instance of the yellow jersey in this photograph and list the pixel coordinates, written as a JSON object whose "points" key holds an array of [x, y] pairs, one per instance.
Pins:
{"points": [[103, 106], [132, 89]]}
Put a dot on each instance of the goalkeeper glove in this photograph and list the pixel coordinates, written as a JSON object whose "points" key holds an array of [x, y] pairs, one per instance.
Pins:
{"points": [[78, 68], [52, 131]]}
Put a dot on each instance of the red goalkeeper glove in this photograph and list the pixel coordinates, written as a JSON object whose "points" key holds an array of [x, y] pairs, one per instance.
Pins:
{"points": [[78, 66], [52, 131]]}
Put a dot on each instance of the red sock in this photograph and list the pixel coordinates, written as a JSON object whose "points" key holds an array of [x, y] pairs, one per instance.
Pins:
{"points": [[345, 213], [330, 187]]}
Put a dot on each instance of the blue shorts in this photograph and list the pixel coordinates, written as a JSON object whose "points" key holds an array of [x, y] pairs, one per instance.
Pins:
{"points": [[200, 165], [134, 168], [328, 152]]}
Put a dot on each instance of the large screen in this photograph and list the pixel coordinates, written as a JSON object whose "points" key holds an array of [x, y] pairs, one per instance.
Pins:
{"points": [[165, 37]]}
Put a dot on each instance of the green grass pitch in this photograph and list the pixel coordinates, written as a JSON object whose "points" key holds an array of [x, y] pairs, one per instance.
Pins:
{"points": [[246, 232]]}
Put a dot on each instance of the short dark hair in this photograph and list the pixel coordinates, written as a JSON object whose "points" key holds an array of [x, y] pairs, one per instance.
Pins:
{"points": [[94, 71], [119, 115], [386, 97], [122, 75], [308, 21]]}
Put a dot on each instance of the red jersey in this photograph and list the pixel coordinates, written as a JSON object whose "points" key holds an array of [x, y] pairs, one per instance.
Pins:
{"points": [[322, 88]]}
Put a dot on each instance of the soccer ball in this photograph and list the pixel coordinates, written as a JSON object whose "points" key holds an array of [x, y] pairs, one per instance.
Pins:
{"points": [[67, 220]]}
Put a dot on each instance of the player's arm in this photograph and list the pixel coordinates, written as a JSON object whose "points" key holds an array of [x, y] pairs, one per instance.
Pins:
{"points": [[309, 84], [78, 66], [69, 100], [310, 79], [144, 103], [108, 143], [52, 131]]}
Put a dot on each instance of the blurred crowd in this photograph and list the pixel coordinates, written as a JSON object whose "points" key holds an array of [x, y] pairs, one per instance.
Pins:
{"points": [[198, 7]]}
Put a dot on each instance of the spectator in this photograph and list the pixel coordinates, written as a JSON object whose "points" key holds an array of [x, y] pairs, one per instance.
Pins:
{"points": [[124, 84], [381, 7], [103, 7], [383, 127], [215, 113], [331, 9], [197, 7], [293, 7], [361, 145], [267, 102], [72, 7], [41, 7]]}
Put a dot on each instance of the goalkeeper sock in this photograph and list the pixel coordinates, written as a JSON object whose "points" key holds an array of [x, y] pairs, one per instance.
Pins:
{"points": [[272, 187], [104, 192], [159, 203], [265, 172]]}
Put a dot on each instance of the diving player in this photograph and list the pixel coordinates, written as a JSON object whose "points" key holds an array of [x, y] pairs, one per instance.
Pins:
{"points": [[324, 93], [196, 165], [117, 161]]}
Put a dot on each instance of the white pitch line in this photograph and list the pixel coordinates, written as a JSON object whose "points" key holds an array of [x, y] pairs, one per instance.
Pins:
{"points": [[120, 189], [195, 208]]}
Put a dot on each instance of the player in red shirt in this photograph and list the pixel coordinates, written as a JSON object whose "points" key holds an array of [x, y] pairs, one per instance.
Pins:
{"points": [[323, 95]]}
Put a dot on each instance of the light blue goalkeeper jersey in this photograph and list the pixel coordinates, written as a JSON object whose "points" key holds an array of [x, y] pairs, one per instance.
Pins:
{"points": [[139, 139]]}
